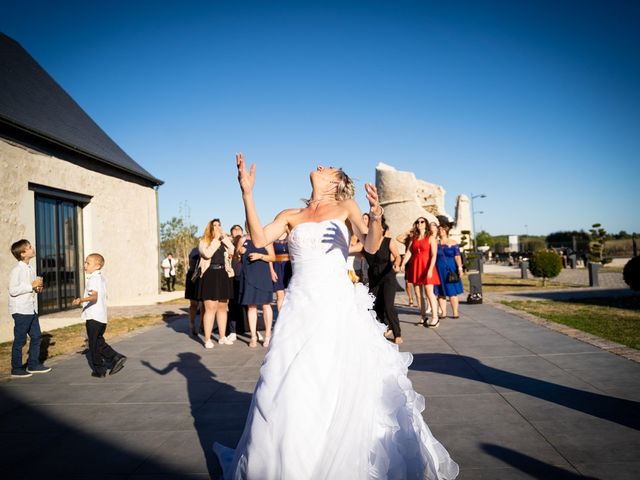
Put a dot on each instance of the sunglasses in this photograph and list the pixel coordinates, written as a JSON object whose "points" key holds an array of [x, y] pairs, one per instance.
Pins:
{"points": [[420, 221]]}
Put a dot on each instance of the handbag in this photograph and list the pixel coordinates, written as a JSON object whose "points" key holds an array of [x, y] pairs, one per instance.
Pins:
{"points": [[452, 277], [196, 272], [474, 298]]}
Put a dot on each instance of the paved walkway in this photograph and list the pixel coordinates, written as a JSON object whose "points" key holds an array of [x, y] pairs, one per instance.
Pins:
{"points": [[508, 398]]}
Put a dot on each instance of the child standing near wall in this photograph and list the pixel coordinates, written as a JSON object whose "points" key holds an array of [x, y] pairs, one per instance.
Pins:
{"points": [[94, 313], [23, 307]]}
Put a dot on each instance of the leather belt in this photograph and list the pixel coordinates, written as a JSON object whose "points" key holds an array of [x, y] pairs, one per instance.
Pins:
{"points": [[283, 257]]}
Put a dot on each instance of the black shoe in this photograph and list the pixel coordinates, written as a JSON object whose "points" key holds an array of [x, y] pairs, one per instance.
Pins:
{"points": [[98, 375], [39, 369], [118, 364], [19, 373]]}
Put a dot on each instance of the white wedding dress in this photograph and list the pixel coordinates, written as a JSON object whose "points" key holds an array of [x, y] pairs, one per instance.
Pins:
{"points": [[333, 400]]}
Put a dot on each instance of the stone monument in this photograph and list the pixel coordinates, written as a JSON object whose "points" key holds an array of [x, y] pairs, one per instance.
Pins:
{"points": [[405, 198]]}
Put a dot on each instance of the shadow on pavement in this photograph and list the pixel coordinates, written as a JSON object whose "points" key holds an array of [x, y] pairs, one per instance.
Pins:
{"points": [[226, 408], [529, 465], [35, 446], [618, 410]]}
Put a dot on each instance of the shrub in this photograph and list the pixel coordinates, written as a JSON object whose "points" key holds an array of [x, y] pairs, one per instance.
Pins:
{"points": [[631, 273], [545, 264]]}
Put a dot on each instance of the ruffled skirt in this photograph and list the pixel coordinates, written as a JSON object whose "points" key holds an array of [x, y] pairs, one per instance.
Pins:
{"points": [[333, 400]]}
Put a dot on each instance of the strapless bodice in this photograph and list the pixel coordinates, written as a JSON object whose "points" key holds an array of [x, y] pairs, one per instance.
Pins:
{"points": [[318, 247]]}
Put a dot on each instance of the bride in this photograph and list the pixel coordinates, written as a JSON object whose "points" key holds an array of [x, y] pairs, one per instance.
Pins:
{"points": [[333, 400]]}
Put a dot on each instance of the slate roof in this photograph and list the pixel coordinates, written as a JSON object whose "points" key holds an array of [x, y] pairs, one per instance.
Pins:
{"points": [[30, 99]]}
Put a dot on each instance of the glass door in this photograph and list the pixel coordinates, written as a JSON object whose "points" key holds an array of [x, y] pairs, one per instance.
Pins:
{"points": [[57, 252]]}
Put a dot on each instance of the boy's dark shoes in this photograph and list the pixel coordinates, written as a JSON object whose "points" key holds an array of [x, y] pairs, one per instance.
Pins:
{"points": [[118, 364], [98, 375], [39, 369], [20, 373]]}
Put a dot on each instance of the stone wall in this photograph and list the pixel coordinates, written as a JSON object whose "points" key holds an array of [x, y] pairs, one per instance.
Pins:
{"points": [[120, 222], [405, 198]]}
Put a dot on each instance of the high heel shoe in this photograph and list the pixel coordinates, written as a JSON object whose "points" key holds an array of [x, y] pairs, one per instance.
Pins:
{"points": [[266, 341], [254, 342], [434, 324]]}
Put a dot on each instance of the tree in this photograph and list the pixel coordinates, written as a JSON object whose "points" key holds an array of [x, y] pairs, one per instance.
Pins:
{"points": [[533, 244], [464, 239], [565, 239], [631, 273], [597, 238], [179, 238], [545, 264], [484, 238]]}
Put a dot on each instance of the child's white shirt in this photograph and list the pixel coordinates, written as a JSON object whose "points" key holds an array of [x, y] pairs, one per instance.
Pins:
{"points": [[22, 298], [95, 310]]}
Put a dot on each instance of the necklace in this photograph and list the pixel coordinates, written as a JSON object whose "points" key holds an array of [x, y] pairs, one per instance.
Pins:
{"points": [[312, 202]]}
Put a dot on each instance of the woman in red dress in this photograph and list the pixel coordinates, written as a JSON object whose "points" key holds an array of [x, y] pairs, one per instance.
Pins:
{"points": [[423, 250]]}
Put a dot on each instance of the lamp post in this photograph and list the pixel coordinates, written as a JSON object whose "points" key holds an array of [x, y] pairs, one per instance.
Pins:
{"points": [[473, 218]]}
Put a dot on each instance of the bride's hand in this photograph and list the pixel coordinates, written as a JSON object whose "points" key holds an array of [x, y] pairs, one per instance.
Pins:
{"points": [[245, 179], [372, 197]]}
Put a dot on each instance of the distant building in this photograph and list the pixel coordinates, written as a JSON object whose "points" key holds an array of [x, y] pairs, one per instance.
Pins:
{"points": [[70, 189]]}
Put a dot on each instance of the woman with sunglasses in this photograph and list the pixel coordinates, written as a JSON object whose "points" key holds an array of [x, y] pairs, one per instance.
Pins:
{"points": [[422, 250]]}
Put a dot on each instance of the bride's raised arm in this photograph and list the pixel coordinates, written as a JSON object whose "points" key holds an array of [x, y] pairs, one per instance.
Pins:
{"points": [[371, 236], [260, 236]]}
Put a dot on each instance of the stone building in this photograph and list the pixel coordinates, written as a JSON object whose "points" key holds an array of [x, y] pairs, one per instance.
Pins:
{"points": [[69, 189], [405, 198]]}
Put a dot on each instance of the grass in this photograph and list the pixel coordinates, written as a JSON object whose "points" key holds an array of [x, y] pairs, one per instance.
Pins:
{"points": [[176, 301], [614, 318], [500, 283], [62, 341]]}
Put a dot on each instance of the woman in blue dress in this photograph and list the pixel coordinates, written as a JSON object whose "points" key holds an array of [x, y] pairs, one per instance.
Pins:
{"points": [[281, 269], [256, 286], [448, 260]]}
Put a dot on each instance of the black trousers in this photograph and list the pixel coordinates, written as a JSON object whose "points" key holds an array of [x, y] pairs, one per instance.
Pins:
{"points": [[101, 355], [384, 306], [171, 282], [236, 311]]}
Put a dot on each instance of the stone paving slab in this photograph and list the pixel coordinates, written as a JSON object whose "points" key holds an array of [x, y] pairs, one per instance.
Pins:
{"points": [[508, 398]]}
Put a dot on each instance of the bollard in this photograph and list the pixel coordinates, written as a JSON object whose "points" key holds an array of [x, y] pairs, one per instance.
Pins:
{"points": [[524, 269], [573, 260], [594, 269]]}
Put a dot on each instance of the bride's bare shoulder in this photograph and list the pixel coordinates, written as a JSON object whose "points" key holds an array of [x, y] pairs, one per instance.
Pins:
{"points": [[288, 217]]}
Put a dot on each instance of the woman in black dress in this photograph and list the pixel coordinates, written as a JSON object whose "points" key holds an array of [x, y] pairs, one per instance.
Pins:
{"points": [[383, 266], [215, 287], [191, 289]]}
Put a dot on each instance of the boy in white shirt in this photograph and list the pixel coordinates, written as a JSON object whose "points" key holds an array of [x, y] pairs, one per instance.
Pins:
{"points": [[23, 307], [94, 313]]}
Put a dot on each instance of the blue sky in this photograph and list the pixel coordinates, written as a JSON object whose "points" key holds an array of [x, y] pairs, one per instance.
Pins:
{"points": [[535, 104]]}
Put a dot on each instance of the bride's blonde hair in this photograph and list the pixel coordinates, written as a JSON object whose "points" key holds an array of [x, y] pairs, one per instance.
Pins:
{"points": [[345, 188]]}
